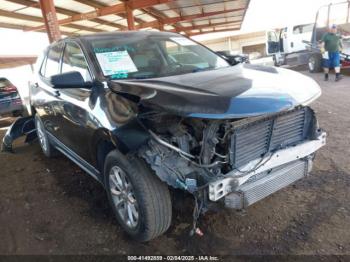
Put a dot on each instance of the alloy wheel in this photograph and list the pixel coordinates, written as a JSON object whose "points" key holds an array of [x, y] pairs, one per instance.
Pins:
{"points": [[41, 135], [123, 197]]}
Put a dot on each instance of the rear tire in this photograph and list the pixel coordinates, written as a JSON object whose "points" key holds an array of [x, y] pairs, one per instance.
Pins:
{"points": [[47, 148], [140, 201], [314, 63]]}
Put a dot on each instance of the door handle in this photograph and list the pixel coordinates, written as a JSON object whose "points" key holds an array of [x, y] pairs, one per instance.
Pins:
{"points": [[36, 85]]}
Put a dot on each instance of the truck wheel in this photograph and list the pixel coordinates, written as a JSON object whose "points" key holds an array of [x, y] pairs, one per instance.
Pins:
{"points": [[140, 201], [44, 142], [314, 63]]}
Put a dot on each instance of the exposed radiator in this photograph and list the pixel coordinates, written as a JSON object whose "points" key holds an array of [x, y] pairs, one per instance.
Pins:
{"points": [[265, 184], [251, 140]]}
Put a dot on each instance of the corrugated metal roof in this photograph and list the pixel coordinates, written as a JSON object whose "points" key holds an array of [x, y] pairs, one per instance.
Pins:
{"points": [[186, 16]]}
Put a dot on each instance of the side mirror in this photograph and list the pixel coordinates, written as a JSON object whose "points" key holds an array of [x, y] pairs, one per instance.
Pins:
{"points": [[233, 60], [69, 80]]}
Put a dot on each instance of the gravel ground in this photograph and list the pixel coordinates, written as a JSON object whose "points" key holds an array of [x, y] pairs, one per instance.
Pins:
{"points": [[52, 207]]}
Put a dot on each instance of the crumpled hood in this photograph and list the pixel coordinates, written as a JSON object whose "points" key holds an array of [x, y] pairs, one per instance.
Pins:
{"points": [[234, 92]]}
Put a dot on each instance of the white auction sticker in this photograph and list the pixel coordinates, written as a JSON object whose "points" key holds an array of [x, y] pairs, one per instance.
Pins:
{"points": [[183, 41], [116, 62]]}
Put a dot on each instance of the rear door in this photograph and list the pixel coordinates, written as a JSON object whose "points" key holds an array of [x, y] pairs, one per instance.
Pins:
{"points": [[44, 97]]}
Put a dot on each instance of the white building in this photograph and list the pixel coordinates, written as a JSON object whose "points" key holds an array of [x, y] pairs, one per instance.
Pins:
{"points": [[249, 43]]}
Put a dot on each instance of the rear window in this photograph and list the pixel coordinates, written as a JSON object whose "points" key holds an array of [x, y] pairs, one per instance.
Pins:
{"points": [[4, 83]]}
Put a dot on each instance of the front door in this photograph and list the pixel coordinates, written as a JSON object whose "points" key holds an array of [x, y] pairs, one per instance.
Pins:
{"points": [[77, 123]]}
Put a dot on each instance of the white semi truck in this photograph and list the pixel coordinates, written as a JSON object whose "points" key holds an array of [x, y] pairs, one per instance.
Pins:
{"points": [[300, 45]]}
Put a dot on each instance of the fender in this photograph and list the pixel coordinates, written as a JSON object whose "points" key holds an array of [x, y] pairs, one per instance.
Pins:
{"points": [[131, 136], [127, 138]]}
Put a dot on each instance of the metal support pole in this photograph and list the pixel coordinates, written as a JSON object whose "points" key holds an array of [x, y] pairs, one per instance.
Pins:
{"points": [[49, 14], [129, 17]]}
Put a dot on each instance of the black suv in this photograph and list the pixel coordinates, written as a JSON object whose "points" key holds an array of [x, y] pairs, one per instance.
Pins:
{"points": [[123, 108]]}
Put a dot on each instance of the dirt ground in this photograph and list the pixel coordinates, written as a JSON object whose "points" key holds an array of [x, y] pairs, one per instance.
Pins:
{"points": [[52, 207]]}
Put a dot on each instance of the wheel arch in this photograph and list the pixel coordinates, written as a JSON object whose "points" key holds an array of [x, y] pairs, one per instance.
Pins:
{"points": [[127, 138]]}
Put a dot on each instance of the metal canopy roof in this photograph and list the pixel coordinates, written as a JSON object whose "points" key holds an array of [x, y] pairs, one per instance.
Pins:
{"points": [[14, 61], [190, 17]]}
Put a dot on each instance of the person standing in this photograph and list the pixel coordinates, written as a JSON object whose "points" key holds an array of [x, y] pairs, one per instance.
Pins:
{"points": [[330, 47]]}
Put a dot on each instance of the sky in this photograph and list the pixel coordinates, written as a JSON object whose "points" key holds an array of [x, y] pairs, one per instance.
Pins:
{"points": [[261, 15]]}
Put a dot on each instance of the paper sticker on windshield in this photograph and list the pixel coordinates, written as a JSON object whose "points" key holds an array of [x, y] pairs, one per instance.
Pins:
{"points": [[183, 41], [116, 62]]}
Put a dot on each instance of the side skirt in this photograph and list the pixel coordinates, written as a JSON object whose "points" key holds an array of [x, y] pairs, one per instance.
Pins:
{"points": [[92, 171]]}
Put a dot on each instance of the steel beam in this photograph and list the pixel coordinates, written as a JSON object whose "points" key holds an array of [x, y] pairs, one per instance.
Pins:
{"points": [[174, 20], [95, 4], [31, 3], [214, 31], [212, 25], [108, 10], [50, 18], [39, 19], [137, 4], [129, 16]]}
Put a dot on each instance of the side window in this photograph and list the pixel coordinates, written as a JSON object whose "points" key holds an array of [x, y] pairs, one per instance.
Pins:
{"points": [[297, 30], [51, 65], [74, 60], [308, 28], [184, 55], [301, 29]]}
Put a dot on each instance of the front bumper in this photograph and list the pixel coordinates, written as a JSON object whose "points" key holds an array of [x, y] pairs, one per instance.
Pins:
{"points": [[262, 177]]}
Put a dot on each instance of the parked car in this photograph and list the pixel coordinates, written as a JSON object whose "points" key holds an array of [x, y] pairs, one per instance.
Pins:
{"points": [[118, 106], [10, 101]]}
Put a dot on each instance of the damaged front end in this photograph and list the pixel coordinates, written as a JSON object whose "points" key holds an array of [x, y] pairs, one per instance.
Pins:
{"points": [[235, 162]]}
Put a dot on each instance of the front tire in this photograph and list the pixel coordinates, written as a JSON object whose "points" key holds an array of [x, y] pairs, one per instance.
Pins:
{"points": [[140, 201], [47, 148]]}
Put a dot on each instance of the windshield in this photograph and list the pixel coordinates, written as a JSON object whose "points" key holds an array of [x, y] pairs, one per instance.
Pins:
{"points": [[133, 57]]}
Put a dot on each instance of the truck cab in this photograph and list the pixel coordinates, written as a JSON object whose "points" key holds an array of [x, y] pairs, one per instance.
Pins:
{"points": [[300, 44], [281, 43]]}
